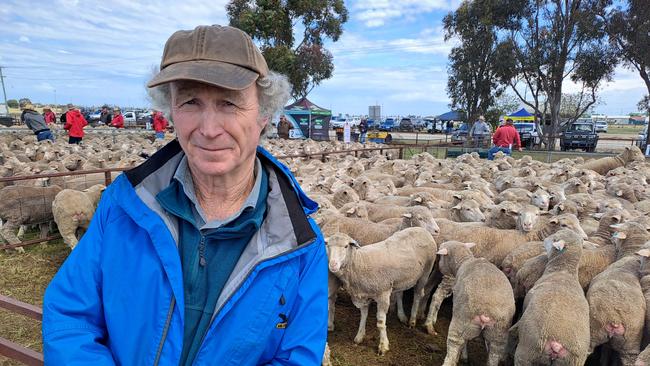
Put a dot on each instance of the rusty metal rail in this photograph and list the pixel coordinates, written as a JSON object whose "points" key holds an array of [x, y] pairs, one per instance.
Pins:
{"points": [[13, 350]]}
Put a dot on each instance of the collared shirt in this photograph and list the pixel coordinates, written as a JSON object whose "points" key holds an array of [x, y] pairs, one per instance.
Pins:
{"points": [[184, 177]]}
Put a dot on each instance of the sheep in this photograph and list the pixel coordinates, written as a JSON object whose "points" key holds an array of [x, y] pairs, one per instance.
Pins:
{"points": [[604, 165], [644, 358], [24, 205], [541, 199], [465, 211], [616, 302], [495, 244], [644, 282], [73, 210], [367, 232], [502, 216], [373, 272], [554, 326], [416, 199], [483, 302], [377, 213], [344, 195], [518, 195], [527, 217]]}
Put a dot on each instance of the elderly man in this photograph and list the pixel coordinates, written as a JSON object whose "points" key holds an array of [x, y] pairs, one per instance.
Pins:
{"points": [[480, 132], [34, 121], [205, 254]]}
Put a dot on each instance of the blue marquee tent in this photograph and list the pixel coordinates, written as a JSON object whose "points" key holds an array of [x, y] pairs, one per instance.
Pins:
{"points": [[522, 115], [451, 116]]}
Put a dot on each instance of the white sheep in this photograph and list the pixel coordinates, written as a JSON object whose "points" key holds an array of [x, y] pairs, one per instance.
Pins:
{"points": [[375, 271], [73, 210]]}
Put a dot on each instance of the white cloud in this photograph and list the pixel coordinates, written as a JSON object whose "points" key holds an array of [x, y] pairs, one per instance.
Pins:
{"points": [[375, 13], [24, 39], [44, 86]]}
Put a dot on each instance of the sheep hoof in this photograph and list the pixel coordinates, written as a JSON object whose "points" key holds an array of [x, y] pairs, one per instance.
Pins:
{"points": [[402, 319], [431, 330], [383, 348], [412, 324], [358, 339], [20, 249]]}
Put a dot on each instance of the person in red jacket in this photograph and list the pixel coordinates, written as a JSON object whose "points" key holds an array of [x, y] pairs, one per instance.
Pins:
{"points": [[118, 118], [49, 116], [159, 124], [504, 139], [74, 123]]}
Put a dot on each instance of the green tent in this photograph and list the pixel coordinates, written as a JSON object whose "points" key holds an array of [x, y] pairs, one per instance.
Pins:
{"points": [[308, 120]]}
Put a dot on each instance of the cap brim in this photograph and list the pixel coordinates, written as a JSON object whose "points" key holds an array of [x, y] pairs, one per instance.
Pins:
{"points": [[215, 73]]}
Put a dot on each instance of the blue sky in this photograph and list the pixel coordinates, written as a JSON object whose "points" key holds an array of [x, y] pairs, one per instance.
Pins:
{"points": [[89, 53]]}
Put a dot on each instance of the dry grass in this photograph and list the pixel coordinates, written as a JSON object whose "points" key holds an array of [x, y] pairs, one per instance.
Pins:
{"points": [[25, 277]]}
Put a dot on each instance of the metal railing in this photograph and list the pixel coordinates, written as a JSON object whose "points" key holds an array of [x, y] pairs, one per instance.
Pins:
{"points": [[13, 350]]}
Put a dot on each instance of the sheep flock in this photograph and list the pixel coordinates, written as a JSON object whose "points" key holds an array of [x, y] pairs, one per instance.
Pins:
{"points": [[546, 263]]}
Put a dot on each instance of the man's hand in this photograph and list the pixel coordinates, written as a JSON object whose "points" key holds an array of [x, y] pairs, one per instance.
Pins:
{"points": [[520, 148]]}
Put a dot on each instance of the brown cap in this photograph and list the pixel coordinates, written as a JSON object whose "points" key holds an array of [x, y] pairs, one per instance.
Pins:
{"points": [[218, 55]]}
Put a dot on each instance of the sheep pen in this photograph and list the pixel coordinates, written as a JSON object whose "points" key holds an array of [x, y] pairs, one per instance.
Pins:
{"points": [[25, 276]]}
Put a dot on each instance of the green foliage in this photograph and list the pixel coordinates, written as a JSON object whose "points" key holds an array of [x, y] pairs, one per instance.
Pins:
{"points": [[12, 103], [272, 23], [503, 105]]}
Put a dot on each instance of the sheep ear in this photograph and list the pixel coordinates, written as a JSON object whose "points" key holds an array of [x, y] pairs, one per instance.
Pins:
{"points": [[616, 226], [529, 194], [544, 213], [418, 199], [597, 215], [458, 196], [457, 207], [470, 245], [619, 235], [355, 244], [407, 215], [351, 211], [443, 251], [644, 253], [619, 193], [559, 245], [554, 220]]}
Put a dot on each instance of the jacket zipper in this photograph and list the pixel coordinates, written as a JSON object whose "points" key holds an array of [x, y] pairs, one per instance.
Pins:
{"points": [[242, 282], [165, 330]]}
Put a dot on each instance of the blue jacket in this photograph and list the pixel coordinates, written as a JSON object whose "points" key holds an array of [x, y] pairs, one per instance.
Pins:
{"points": [[118, 298]]}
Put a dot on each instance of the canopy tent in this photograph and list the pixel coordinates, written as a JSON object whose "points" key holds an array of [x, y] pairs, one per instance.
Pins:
{"points": [[308, 120], [522, 115], [452, 116]]}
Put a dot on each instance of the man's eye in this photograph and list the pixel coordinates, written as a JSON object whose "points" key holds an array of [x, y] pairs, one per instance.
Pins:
{"points": [[228, 103]]}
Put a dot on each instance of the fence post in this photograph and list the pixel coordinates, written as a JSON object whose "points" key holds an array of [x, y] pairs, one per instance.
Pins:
{"points": [[401, 152], [416, 137], [322, 158], [107, 178]]}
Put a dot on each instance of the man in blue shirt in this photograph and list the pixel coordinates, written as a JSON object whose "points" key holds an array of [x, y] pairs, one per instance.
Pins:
{"points": [[205, 254]]}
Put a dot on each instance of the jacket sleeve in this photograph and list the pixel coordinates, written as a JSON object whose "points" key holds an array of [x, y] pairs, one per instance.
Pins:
{"points": [[496, 135], [74, 330], [68, 124], [517, 139], [304, 340]]}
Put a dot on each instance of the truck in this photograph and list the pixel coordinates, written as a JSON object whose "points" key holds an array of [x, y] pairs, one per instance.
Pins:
{"points": [[579, 135]]}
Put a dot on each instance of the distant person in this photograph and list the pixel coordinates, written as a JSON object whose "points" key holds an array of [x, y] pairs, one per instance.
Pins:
{"points": [[283, 128], [34, 121], [49, 116], [159, 124], [105, 117], [479, 132], [504, 139], [363, 130], [118, 118], [347, 130], [450, 126], [74, 123]]}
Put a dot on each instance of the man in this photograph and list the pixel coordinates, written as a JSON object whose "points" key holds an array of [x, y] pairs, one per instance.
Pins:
{"points": [[347, 131], [204, 254], [504, 139], [450, 127], [74, 123], [363, 130], [283, 128], [34, 121], [159, 124], [105, 117], [118, 118], [479, 132]]}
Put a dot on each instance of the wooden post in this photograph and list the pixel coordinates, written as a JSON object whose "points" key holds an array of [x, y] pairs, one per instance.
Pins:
{"points": [[107, 178], [401, 152]]}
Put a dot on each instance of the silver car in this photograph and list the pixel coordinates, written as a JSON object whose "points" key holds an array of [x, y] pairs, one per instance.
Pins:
{"points": [[601, 126]]}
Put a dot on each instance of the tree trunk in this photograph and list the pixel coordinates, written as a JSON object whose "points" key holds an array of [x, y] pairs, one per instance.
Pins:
{"points": [[554, 100]]}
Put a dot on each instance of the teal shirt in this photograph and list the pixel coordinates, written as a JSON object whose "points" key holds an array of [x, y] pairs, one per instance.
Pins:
{"points": [[209, 251]]}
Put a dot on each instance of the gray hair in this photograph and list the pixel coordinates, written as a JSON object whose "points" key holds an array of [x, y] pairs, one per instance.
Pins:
{"points": [[273, 92]]}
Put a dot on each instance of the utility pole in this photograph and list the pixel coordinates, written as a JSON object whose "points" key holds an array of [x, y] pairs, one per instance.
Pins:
{"points": [[2, 79]]}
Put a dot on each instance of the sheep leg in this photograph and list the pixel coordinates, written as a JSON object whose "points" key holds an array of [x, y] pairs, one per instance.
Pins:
{"points": [[418, 295], [382, 308], [333, 284], [442, 292], [434, 279], [8, 235], [455, 343], [497, 341], [400, 307], [44, 230], [361, 333], [21, 231]]}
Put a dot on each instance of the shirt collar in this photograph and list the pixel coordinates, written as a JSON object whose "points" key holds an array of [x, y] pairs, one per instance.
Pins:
{"points": [[184, 177]]}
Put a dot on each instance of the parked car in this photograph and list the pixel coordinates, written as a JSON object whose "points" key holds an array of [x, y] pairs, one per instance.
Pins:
{"points": [[579, 135], [130, 118], [387, 125], [460, 134], [94, 116], [406, 125], [530, 134], [601, 126], [434, 126]]}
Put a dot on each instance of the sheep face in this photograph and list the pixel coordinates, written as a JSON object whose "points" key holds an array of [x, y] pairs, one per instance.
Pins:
{"points": [[422, 217], [541, 199], [338, 247], [563, 240], [611, 204], [527, 218], [567, 221], [469, 211]]}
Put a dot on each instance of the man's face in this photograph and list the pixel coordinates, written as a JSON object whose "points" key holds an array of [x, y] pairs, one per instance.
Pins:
{"points": [[218, 129]]}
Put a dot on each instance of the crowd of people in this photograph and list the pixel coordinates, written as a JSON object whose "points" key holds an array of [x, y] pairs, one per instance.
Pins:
{"points": [[73, 121]]}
